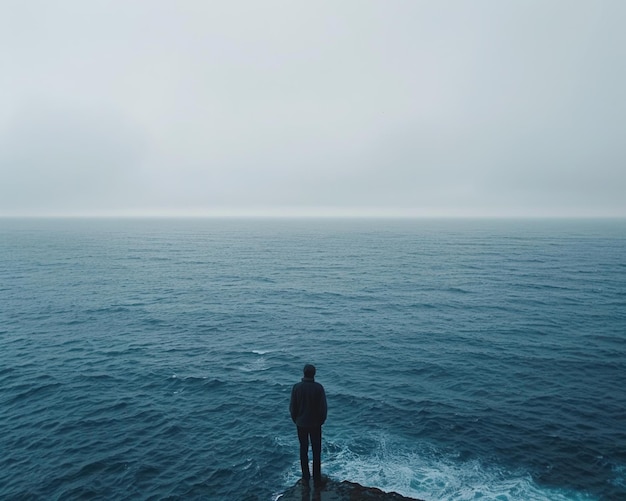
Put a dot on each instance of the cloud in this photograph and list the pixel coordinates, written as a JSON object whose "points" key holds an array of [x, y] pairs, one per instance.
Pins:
{"points": [[468, 107], [56, 158]]}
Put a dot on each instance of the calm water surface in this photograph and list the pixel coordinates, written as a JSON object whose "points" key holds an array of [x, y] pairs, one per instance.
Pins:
{"points": [[153, 359]]}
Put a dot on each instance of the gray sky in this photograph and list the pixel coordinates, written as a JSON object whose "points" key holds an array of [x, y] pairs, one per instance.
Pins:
{"points": [[387, 107]]}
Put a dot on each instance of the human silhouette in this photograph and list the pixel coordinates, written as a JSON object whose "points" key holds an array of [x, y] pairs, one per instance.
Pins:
{"points": [[308, 410]]}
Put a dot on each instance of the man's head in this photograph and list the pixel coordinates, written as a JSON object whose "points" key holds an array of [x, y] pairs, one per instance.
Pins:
{"points": [[309, 371]]}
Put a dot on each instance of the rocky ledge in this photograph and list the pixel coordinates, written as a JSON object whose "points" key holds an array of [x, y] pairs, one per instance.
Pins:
{"points": [[331, 490]]}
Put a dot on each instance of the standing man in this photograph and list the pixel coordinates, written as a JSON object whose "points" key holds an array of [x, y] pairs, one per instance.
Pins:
{"points": [[308, 411]]}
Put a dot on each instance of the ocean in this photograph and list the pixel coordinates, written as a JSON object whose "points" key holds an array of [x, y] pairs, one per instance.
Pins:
{"points": [[462, 359]]}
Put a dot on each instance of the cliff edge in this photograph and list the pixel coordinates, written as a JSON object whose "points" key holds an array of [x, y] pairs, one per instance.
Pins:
{"points": [[339, 491]]}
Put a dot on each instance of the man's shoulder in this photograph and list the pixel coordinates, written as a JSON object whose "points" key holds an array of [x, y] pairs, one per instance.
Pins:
{"points": [[307, 384], [318, 387]]}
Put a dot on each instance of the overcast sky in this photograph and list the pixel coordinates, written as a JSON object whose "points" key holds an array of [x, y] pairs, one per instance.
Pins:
{"points": [[387, 107]]}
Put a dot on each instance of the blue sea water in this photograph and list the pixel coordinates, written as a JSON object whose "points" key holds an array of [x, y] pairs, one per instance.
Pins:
{"points": [[462, 359]]}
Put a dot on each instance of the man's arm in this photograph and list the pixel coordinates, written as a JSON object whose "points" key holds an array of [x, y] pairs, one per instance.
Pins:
{"points": [[324, 406]]}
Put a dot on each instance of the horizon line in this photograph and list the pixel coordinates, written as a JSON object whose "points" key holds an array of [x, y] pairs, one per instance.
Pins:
{"points": [[287, 214]]}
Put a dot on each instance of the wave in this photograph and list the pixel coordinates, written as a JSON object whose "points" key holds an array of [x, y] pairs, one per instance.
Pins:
{"points": [[424, 472]]}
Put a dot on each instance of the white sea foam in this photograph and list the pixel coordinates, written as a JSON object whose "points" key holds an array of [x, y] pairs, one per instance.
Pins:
{"points": [[257, 365], [619, 471], [261, 352], [427, 474]]}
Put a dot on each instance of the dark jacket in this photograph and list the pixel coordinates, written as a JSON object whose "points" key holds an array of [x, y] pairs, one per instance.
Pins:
{"points": [[308, 403]]}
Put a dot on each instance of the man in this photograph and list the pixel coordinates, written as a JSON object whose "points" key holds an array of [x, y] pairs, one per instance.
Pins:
{"points": [[308, 411]]}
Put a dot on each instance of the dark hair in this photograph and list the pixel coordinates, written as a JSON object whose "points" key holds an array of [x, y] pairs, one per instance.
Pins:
{"points": [[309, 370]]}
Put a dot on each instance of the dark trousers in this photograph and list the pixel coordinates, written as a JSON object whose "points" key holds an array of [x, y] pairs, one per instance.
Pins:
{"points": [[315, 435]]}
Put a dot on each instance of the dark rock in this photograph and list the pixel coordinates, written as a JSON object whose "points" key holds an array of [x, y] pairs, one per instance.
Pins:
{"points": [[331, 490]]}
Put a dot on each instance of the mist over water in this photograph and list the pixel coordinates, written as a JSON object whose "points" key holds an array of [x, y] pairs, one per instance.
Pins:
{"points": [[461, 359]]}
